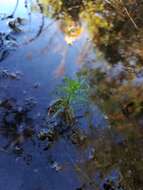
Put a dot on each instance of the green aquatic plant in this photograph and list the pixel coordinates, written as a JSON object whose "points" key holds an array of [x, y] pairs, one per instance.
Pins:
{"points": [[71, 94], [74, 90]]}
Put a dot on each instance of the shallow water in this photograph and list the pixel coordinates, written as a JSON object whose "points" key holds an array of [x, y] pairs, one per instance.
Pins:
{"points": [[57, 39]]}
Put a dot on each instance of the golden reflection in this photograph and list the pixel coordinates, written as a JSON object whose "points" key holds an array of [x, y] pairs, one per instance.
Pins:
{"points": [[72, 30]]}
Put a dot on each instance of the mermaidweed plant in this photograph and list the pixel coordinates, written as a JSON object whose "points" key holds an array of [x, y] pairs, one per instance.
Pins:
{"points": [[70, 94]]}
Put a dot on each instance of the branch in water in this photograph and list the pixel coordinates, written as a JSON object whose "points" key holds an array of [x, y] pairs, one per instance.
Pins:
{"points": [[41, 27], [13, 12]]}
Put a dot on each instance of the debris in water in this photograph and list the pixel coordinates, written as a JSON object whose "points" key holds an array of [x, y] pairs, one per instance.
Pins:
{"points": [[56, 166]]}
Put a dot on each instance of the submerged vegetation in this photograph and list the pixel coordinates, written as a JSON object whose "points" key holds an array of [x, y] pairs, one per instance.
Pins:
{"points": [[72, 93]]}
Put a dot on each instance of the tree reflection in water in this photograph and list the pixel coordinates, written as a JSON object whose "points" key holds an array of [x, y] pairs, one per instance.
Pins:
{"points": [[115, 78]]}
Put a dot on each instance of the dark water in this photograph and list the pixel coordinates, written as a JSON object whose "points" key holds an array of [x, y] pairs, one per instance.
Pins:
{"points": [[43, 41]]}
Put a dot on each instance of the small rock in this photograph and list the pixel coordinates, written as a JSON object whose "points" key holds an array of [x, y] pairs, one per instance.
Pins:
{"points": [[56, 166]]}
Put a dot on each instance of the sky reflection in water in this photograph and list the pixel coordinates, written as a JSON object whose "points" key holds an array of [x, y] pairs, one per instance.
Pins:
{"points": [[106, 50]]}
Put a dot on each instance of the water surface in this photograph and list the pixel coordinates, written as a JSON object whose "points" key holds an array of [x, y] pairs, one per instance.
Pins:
{"points": [[41, 42]]}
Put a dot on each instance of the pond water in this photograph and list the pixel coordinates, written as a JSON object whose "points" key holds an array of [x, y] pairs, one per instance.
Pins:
{"points": [[48, 50]]}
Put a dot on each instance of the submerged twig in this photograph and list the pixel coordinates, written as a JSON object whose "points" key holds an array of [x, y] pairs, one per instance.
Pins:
{"points": [[126, 11], [78, 169], [41, 27], [13, 12], [131, 19]]}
